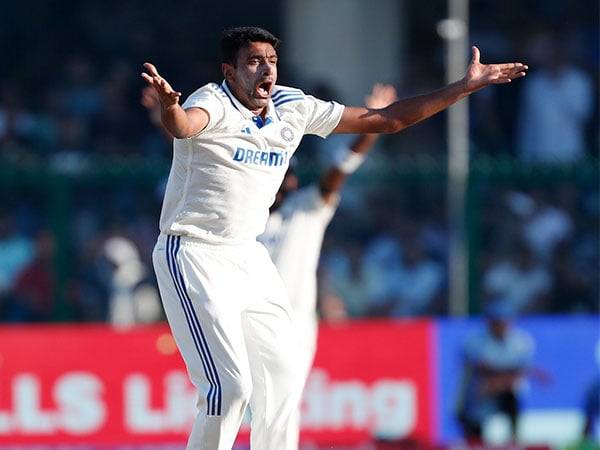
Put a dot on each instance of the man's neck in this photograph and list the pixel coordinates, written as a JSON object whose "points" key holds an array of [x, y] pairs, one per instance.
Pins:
{"points": [[260, 111]]}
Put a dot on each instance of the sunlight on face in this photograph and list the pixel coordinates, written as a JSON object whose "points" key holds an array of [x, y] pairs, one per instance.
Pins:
{"points": [[253, 77]]}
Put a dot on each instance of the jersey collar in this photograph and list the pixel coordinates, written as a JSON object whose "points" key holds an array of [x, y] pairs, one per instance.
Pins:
{"points": [[246, 113]]}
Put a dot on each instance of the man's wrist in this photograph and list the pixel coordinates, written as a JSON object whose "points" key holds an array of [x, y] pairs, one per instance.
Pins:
{"points": [[462, 86], [467, 88], [349, 161], [170, 107]]}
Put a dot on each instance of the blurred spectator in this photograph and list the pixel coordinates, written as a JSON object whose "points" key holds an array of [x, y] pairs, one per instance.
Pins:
{"points": [[574, 283], [544, 226], [91, 285], [559, 227], [80, 94], [496, 362], [73, 144], [520, 280], [592, 411], [115, 285], [17, 250], [341, 279], [133, 297], [46, 133], [556, 104], [381, 266], [112, 133], [17, 124], [33, 293], [434, 234], [487, 131], [590, 433], [413, 288], [592, 403], [332, 309], [116, 130], [547, 227]]}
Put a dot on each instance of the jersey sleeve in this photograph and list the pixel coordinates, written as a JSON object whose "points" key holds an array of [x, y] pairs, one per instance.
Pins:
{"points": [[310, 114], [209, 99], [322, 117]]}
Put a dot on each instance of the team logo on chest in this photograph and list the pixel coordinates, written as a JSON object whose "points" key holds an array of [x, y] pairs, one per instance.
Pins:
{"points": [[287, 134]]}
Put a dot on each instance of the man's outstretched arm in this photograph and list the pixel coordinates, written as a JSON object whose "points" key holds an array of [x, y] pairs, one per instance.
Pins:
{"points": [[179, 122], [332, 181], [407, 112]]}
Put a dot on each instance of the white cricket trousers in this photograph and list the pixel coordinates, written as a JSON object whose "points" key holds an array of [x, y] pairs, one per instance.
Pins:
{"points": [[230, 317], [307, 326]]}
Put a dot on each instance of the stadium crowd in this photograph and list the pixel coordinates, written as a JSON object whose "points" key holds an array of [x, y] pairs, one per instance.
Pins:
{"points": [[386, 252]]}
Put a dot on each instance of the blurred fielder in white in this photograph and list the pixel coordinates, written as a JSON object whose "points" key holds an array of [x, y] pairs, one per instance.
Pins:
{"points": [[295, 230]]}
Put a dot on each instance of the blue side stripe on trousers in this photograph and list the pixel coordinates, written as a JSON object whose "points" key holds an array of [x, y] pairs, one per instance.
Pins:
{"points": [[214, 393], [194, 326], [212, 367], [171, 263]]}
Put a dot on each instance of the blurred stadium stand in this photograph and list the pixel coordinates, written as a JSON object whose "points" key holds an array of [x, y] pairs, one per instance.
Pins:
{"points": [[525, 223], [81, 163], [82, 169]]}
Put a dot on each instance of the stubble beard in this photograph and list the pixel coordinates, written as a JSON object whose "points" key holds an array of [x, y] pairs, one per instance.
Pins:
{"points": [[257, 102]]}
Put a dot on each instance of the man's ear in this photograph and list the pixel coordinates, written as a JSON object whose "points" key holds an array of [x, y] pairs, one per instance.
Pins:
{"points": [[227, 70]]}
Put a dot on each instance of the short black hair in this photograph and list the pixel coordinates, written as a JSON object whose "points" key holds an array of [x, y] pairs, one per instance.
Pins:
{"points": [[234, 39]]}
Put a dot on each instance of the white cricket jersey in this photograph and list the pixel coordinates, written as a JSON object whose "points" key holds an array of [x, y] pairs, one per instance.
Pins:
{"points": [[223, 180], [293, 236]]}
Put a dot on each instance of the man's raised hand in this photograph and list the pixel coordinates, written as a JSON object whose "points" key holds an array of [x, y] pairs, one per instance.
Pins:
{"points": [[481, 75], [381, 96], [166, 94]]}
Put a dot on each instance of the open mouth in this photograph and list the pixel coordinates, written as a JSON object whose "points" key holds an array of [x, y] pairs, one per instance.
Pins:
{"points": [[264, 89]]}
